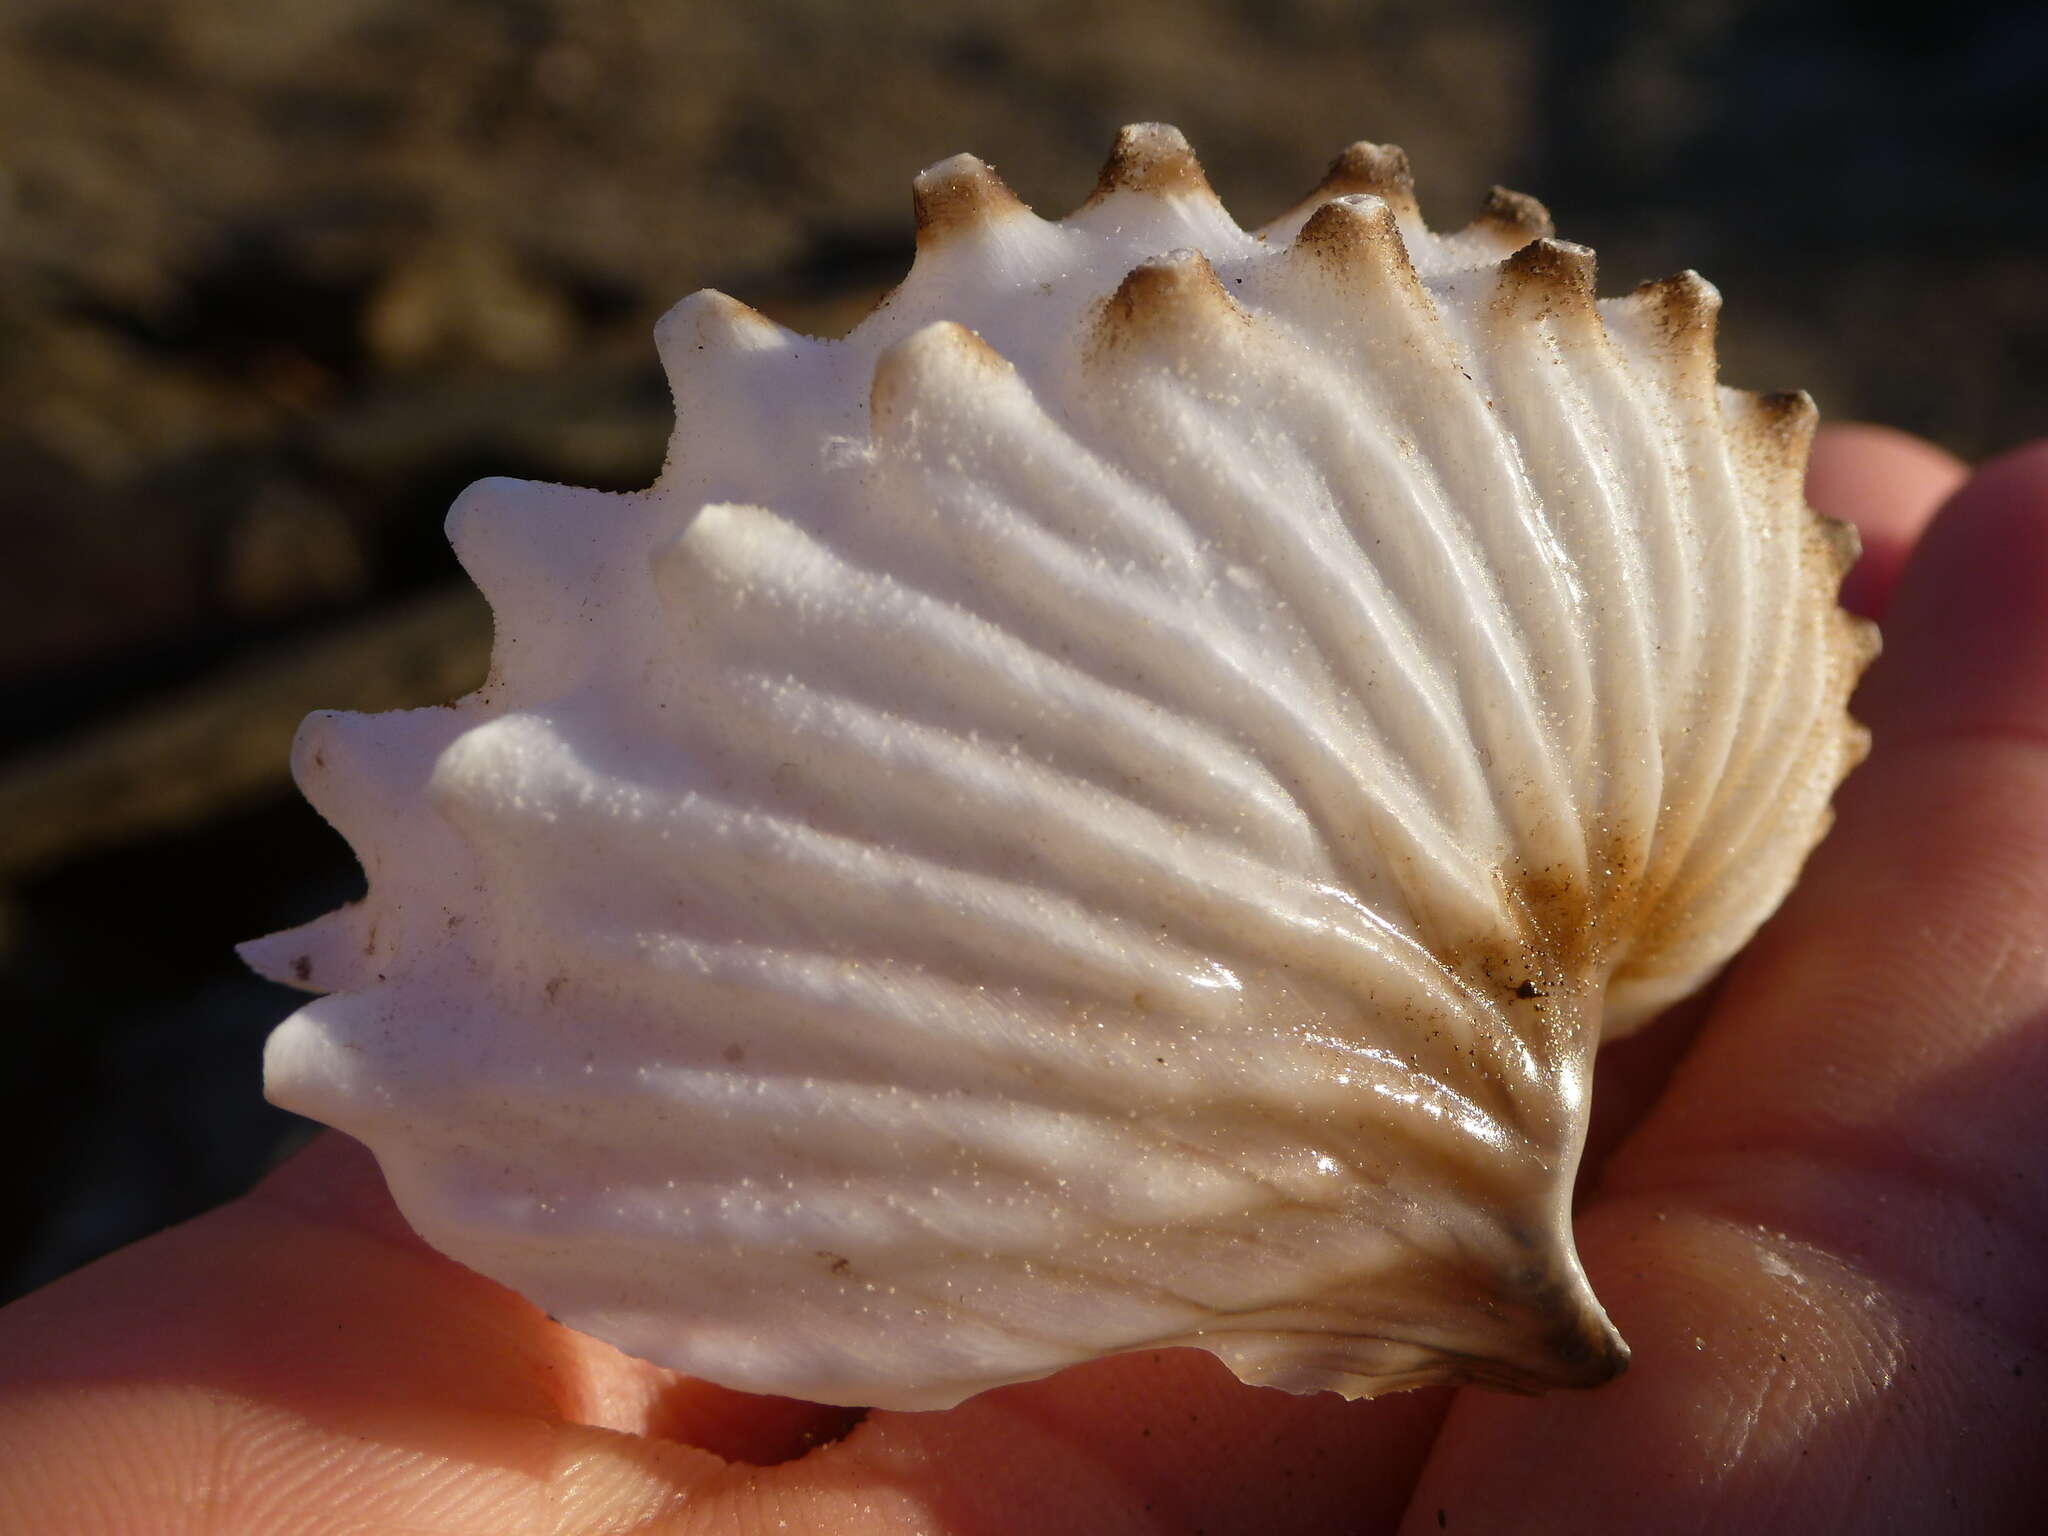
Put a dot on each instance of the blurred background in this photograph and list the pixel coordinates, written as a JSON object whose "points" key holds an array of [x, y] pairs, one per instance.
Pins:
{"points": [[277, 281]]}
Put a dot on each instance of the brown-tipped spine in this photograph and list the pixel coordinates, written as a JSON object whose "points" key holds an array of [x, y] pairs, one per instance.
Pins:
{"points": [[957, 195], [1514, 218], [1779, 426], [1844, 545], [1553, 276], [1154, 158], [1168, 295], [1376, 170], [1684, 309], [1357, 233]]}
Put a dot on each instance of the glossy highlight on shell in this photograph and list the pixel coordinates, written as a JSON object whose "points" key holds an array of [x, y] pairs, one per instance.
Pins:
{"points": [[1110, 808]]}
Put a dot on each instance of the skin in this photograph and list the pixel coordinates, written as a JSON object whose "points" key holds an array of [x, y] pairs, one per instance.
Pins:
{"points": [[1816, 1205]]}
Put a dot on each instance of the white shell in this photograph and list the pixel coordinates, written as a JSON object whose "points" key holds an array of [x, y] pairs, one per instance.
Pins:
{"points": [[1104, 810]]}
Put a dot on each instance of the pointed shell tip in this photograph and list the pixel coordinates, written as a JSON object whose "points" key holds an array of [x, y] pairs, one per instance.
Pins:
{"points": [[1357, 232], [944, 349], [1553, 274], [959, 194], [1514, 217], [1169, 294], [1382, 170], [1154, 158], [1684, 307]]}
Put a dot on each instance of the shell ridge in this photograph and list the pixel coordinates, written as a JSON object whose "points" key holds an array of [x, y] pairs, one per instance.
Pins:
{"points": [[500, 812], [1667, 326], [1166, 428], [726, 1098], [1511, 219], [1463, 456], [1245, 1313], [848, 1108], [1349, 262], [1647, 434], [907, 612], [1218, 684], [1247, 906], [989, 438], [1413, 551], [784, 1000], [1215, 476], [905, 902], [1606, 699], [1388, 618], [1700, 736], [1265, 821], [324, 955], [1371, 775], [1553, 613], [1033, 679], [365, 775], [311, 1051], [1762, 678], [1756, 797], [724, 360], [1631, 458], [1153, 192], [1780, 691], [1317, 559], [1249, 909]]}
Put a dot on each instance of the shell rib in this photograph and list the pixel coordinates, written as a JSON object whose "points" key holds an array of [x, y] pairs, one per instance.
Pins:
{"points": [[1110, 808]]}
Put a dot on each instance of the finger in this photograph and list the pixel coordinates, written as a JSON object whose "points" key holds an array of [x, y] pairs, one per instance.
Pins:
{"points": [[1889, 485], [1823, 1244], [336, 1183], [299, 1352], [1166, 1440]]}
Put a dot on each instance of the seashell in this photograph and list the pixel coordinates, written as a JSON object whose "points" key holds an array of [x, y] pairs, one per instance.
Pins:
{"points": [[1109, 808]]}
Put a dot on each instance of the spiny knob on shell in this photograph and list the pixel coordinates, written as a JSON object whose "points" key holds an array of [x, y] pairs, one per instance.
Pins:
{"points": [[1683, 307], [1170, 293], [1358, 233], [1553, 276], [1777, 428], [957, 194], [710, 320], [939, 350], [1151, 157], [1380, 170], [1514, 217]]}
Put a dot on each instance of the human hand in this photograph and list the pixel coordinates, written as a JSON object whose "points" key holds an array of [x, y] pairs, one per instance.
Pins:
{"points": [[1816, 1206]]}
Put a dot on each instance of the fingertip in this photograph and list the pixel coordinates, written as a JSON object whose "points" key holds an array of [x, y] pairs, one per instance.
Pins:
{"points": [[334, 1179], [1969, 625], [1887, 483]]}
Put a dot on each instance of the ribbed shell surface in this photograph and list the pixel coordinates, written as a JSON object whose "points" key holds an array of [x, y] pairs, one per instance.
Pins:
{"points": [[1109, 808]]}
